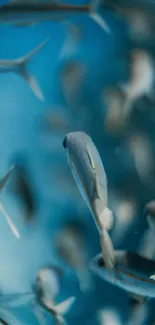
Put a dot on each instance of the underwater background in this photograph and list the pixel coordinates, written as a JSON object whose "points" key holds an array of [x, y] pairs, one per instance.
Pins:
{"points": [[57, 198]]}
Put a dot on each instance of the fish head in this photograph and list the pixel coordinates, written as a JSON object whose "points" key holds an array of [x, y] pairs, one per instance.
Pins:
{"points": [[98, 266]]}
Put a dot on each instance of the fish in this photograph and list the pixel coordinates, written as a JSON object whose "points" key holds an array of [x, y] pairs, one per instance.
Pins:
{"points": [[89, 174], [71, 247], [115, 120], [46, 288], [109, 316], [21, 187], [21, 13], [73, 36], [149, 213], [139, 16], [141, 79], [72, 75], [20, 2], [20, 66], [3, 182], [141, 150], [131, 273]]}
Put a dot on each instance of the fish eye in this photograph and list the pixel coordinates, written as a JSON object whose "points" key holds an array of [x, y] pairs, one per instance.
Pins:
{"points": [[101, 262], [65, 143]]}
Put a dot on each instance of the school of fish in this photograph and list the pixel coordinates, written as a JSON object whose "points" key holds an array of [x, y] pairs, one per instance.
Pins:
{"points": [[84, 176]]}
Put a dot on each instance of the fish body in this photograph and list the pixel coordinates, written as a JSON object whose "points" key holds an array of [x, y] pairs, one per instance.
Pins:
{"points": [[24, 13], [131, 273], [90, 177], [70, 246], [21, 186], [47, 287]]}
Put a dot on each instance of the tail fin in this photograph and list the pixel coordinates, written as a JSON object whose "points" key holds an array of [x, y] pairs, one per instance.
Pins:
{"points": [[23, 70], [4, 179], [61, 309], [97, 17], [107, 249]]}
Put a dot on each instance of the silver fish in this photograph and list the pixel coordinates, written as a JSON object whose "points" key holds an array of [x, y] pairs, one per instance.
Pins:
{"points": [[47, 287], [20, 66], [71, 247], [131, 273], [89, 174], [25, 13]]}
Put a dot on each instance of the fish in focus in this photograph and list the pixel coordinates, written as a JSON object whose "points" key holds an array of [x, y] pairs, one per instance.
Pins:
{"points": [[25, 13], [131, 273], [20, 66], [46, 288], [3, 183], [21, 187], [89, 174], [71, 247]]}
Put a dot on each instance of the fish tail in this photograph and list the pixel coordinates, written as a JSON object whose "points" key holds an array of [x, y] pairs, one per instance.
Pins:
{"points": [[9, 221], [26, 75], [106, 219], [61, 309], [107, 249], [93, 13]]}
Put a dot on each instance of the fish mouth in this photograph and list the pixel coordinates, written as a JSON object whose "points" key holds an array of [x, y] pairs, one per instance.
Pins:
{"points": [[65, 142]]}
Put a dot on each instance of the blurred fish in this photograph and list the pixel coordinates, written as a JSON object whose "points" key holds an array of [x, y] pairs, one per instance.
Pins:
{"points": [[72, 75], [20, 2], [140, 148], [89, 174], [132, 273], [15, 299], [47, 288], [115, 120], [19, 66], [72, 39], [71, 247], [56, 120], [3, 183], [109, 316], [22, 188], [141, 79], [21, 13], [149, 213], [124, 207], [139, 16], [138, 311]]}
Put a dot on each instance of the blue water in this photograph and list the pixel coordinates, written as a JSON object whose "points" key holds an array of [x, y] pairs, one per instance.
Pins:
{"points": [[20, 131]]}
